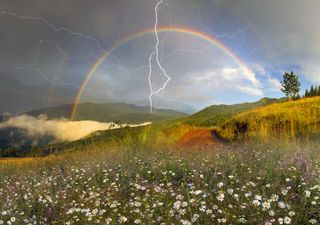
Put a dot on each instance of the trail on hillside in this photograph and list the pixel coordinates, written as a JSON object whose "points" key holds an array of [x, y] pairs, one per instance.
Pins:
{"points": [[202, 138]]}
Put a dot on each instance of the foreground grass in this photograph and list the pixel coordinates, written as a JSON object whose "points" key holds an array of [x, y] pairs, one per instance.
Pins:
{"points": [[252, 184]]}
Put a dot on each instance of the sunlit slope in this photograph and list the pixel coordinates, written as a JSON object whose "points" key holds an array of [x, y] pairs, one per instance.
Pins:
{"points": [[156, 136], [109, 112], [217, 114], [288, 119]]}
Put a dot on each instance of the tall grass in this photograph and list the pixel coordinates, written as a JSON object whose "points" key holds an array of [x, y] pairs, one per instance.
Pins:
{"points": [[294, 119]]}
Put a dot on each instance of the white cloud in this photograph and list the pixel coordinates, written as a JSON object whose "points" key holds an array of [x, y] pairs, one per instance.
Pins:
{"points": [[249, 90], [238, 78], [274, 84]]}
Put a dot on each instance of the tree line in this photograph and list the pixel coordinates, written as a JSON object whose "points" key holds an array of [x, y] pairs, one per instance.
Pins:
{"points": [[313, 91], [291, 87]]}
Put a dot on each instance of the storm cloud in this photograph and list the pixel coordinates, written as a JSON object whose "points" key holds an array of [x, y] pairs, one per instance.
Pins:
{"points": [[48, 48]]}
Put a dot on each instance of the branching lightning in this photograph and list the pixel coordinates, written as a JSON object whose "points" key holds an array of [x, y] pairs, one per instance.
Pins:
{"points": [[153, 57], [156, 53]]}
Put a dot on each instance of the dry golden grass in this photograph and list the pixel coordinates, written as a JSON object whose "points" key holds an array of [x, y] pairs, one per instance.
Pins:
{"points": [[286, 120]]}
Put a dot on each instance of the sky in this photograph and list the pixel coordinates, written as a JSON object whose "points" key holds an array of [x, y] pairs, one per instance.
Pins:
{"points": [[49, 47]]}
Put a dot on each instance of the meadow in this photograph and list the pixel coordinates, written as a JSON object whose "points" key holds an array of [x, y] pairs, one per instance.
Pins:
{"points": [[142, 176]]}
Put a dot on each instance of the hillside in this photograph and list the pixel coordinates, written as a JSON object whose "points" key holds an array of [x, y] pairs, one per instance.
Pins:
{"points": [[288, 119], [109, 112], [217, 114]]}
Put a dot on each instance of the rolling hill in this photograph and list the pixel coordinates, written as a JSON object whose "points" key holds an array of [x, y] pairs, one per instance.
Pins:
{"points": [[217, 114], [291, 119], [109, 112]]}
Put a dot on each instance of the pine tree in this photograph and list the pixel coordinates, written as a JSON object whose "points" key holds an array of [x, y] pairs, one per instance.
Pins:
{"points": [[306, 94], [316, 90], [290, 85], [312, 91]]}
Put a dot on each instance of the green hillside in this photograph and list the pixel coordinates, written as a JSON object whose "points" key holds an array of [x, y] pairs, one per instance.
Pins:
{"points": [[217, 114], [285, 120], [109, 112]]}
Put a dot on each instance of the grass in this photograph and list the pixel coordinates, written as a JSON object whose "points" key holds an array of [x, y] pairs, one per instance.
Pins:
{"points": [[294, 119], [251, 184], [158, 135], [217, 114]]}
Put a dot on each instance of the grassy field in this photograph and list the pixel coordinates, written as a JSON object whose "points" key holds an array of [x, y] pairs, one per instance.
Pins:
{"points": [[141, 176], [217, 114], [255, 184], [295, 119]]}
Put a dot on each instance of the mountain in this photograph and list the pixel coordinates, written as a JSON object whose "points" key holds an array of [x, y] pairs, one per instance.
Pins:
{"points": [[109, 112], [283, 120], [217, 114]]}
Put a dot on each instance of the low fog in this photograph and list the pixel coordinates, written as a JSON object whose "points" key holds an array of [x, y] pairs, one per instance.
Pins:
{"points": [[29, 130]]}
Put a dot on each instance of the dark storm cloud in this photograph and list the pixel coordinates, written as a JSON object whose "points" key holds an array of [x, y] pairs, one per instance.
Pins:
{"points": [[42, 65]]}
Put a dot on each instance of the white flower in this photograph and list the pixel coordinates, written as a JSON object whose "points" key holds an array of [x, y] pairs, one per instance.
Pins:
{"points": [[291, 213], [177, 205], [274, 198], [185, 222], [287, 220], [12, 219], [195, 217], [271, 213], [184, 204], [157, 189], [280, 220], [230, 191], [281, 205], [137, 204], [123, 219], [220, 197], [256, 202], [220, 185], [308, 193], [313, 221], [284, 191], [266, 205], [137, 221]]}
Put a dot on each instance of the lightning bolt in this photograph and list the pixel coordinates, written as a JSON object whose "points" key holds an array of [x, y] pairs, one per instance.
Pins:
{"points": [[156, 54]]}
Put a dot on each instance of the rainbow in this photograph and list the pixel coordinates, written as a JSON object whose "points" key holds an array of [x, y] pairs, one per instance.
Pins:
{"points": [[182, 30]]}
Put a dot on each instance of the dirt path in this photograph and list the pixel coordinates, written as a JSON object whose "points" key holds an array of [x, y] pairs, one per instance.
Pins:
{"points": [[202, 138]]}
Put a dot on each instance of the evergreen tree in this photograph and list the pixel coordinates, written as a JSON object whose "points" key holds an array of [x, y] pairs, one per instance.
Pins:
{"points": [[312, 91], [290, 85], [306, 94], [316, 91]]}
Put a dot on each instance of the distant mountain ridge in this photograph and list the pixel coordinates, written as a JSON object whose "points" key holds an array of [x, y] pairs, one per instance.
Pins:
{"points": [[109, 112]]}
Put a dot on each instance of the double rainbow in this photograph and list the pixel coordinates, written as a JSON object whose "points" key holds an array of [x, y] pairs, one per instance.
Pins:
{"points": [[182, 30]]}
